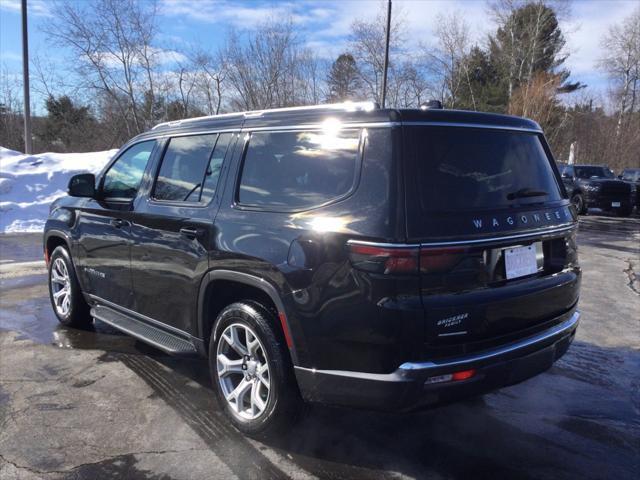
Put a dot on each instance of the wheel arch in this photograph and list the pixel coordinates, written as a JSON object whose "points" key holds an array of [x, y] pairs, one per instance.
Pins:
{"points": [[246, 285], [54, 239]]}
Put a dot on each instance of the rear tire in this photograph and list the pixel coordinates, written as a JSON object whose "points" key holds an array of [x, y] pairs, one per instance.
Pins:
{"points": [[253, 380], [577, 200], [64, 291]]}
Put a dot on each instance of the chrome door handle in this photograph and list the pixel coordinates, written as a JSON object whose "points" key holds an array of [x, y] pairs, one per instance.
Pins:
{"points": [[119, 223], [190, 232]]}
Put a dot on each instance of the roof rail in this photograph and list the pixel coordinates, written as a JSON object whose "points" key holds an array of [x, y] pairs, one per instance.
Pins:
{"points": [[346, 106]]}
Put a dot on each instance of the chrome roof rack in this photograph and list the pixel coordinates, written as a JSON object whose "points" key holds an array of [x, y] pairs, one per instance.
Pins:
{"points": [[345, 106]]}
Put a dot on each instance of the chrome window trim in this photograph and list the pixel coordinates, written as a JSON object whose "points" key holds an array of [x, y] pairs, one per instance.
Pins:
{"points": [[530, 233], [473, 125], [320, 126]]}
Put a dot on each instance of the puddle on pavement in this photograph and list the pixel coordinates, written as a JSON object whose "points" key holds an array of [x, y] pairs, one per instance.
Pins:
{"points": [[25, 309]]}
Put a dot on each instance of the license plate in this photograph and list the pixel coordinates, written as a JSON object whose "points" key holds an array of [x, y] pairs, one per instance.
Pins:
{"points": [[520, 261], [615, 204]]}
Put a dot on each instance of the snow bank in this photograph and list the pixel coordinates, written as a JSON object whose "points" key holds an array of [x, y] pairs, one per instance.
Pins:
{"points": [[29, 183]]}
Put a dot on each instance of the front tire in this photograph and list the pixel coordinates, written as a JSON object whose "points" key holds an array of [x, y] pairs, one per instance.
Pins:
{"points": [[64, 291], [577, 200], [252, 372]]}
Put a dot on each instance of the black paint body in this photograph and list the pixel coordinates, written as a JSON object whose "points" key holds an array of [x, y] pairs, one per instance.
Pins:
{"points": [[350, 330]]}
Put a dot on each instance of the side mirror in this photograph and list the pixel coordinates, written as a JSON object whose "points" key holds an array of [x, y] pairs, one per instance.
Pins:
{"points": [[82, 185], [566, 175]]}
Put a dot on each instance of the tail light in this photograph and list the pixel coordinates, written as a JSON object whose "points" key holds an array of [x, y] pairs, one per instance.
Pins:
{"points": [[384, 259], [391, 259], [440, 260]]}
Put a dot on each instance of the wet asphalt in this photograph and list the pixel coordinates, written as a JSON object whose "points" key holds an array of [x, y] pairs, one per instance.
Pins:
{"points": [[92, 404]]}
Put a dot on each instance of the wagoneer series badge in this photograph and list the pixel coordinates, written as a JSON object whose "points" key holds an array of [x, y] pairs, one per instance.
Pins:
{"points": [[522, 219]]}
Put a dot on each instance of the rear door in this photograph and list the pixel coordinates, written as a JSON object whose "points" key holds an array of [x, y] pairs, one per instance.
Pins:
{"points": [[103, 227], [173, 228], [497, 252]]}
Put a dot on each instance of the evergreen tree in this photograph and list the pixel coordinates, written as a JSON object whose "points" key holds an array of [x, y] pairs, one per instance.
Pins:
{"points": [[343, 79]]}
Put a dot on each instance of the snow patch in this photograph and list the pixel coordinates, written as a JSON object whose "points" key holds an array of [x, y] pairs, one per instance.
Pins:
{"points": [[29, 183]]}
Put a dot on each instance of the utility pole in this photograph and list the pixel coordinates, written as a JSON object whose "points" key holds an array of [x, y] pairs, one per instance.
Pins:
{"points": [[28, 149], [386, 54]]}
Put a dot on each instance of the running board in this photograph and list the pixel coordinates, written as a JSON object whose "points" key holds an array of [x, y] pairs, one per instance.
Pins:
{"points": [[165, 341]]}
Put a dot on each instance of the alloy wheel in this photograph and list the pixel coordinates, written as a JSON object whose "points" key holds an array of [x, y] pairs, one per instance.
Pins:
{"points": [[243, 371], [61, 287]]}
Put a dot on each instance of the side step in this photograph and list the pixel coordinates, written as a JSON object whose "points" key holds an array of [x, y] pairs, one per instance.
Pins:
{"points": [[161, 339]]}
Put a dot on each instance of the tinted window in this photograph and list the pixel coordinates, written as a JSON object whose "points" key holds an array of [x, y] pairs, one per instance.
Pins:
{"points": [[469, 169], [212, 174], [123, 178], [298, 169], [598, 172], [183, 168], [632, 175], [566, 170]]}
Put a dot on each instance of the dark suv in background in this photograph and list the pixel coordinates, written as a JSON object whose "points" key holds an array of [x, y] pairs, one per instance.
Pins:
{"points": [[345, 254], [596, 186], [632, 176]]}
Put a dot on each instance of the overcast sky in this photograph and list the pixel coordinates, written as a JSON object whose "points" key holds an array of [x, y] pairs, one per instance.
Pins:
{"points": [[324, 24]]}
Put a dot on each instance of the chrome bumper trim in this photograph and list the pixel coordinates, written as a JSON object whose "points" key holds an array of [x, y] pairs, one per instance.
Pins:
{"points": [[556, 331]]}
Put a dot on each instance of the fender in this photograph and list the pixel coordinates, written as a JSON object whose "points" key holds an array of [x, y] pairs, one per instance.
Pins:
{"points": [[252, 281]]}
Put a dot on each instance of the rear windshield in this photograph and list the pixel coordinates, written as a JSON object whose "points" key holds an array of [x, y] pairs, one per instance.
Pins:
{"points": [[468, 169]]}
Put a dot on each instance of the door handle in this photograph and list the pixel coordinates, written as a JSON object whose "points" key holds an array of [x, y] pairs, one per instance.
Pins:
{"points": [[119, 223], [190, 232]]}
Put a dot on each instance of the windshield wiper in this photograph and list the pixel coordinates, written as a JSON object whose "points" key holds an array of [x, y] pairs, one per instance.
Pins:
{"points": [[526, 192]]}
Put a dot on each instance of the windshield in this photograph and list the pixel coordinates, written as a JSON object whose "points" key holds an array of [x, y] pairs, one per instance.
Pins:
{"points": [[470, 169], [590, 172]]}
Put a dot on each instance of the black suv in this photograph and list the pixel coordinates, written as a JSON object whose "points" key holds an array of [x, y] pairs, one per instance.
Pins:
{"points": [[595, 186], [632, 176], [343, 254]]}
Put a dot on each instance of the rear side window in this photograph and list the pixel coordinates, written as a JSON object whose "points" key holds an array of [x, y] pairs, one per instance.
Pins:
{"points": [[462, 169], [295, 170], [189, 163], [124, 176]]}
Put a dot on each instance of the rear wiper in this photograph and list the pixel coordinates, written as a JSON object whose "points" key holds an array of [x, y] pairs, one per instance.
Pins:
{"points": [[526, 192]]}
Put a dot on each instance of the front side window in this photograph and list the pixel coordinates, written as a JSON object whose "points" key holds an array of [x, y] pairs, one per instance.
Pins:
{"points": [[123, 178], [183, 168], [294, 170], [212, 174]]}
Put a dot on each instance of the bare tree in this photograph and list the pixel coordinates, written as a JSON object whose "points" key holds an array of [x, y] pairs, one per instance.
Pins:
{"points": [[11, 110], [368, 47], [113, 53], [269, 68], [211, 73], [448, 59], [622, 64]]}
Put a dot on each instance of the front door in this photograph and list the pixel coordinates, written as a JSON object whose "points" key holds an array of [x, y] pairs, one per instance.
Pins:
{"points": [[103, 257], [173, 229]]}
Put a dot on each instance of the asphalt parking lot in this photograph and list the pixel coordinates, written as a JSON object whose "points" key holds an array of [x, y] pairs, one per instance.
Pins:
{"points": [[97, 404]]}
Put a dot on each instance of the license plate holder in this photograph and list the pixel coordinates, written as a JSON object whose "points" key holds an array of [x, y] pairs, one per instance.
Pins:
{"points": [[520, 261], [615, 204]]}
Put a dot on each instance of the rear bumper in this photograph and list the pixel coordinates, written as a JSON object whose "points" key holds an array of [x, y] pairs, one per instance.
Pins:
{"points": [[405, 388]]}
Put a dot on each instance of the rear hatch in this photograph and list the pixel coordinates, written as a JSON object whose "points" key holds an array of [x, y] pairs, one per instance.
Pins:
{"points": [[497, 238]]}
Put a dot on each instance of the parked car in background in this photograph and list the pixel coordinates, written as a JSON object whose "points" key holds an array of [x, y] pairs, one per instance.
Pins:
{"points": [[596, 186], [342, 254], [632, 175]]}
